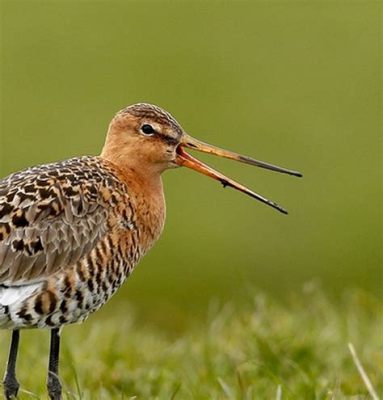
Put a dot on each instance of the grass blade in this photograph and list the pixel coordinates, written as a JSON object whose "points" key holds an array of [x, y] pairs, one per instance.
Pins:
{"points": [[279, 393], [362, 372]]}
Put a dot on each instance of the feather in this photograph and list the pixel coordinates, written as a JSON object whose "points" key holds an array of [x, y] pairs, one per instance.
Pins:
{"points": [[56, 215]]}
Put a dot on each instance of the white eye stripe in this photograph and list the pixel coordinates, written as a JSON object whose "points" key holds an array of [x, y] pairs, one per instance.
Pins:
{"points": [[150, 129]]}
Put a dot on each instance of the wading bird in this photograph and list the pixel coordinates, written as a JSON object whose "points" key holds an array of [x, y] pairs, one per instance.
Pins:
{"points": [[71, 232]]}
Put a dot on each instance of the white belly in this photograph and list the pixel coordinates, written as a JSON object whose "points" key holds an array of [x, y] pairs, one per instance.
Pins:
{"points": [[11, 300]]}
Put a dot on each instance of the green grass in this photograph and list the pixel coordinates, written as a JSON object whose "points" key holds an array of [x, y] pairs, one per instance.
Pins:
{"points": [[297, 348]]}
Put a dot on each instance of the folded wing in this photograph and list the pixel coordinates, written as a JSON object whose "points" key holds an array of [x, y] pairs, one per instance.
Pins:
{"points": [[50, 217]]}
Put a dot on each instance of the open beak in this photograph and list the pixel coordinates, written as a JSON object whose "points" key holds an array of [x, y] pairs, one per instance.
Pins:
{"points": [[186, 160]]}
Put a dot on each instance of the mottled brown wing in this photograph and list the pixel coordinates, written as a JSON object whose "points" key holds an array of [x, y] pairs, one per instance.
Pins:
{"points": [[50, 217]]}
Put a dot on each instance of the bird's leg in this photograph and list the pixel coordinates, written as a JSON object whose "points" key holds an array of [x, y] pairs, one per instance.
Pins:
{"points": [[53, 384], [11, 386]]}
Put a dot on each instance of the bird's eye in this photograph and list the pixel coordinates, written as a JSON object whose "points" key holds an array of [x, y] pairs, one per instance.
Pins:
{"points": [[147, 129]]}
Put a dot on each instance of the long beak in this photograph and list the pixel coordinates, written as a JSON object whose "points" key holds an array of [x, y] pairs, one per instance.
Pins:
{"points": [[186, 160]]}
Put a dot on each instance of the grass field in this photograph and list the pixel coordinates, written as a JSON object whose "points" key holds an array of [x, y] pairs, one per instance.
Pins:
{"points": [[297, 349]]}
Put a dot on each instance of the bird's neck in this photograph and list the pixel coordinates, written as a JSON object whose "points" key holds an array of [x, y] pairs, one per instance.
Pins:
{"points": [[141, 181], [149, 202], [145, 190]]}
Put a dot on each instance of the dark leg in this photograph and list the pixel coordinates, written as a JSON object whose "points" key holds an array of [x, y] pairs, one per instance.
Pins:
{"points": [[53, 384], [11, 386]]}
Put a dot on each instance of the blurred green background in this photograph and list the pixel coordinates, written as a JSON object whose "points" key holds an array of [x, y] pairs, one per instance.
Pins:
{"points": [[295, 83]]}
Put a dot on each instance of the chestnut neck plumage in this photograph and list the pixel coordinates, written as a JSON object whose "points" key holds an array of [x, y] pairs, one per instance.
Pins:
{"points": [[144, 183]]}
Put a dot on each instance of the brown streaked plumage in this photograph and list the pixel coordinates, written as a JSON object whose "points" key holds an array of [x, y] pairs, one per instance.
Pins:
{"points": [[71, 232]]}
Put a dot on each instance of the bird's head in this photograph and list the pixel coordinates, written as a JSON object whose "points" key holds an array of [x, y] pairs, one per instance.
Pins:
{"points": [[148, 139], [144, 136]]}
